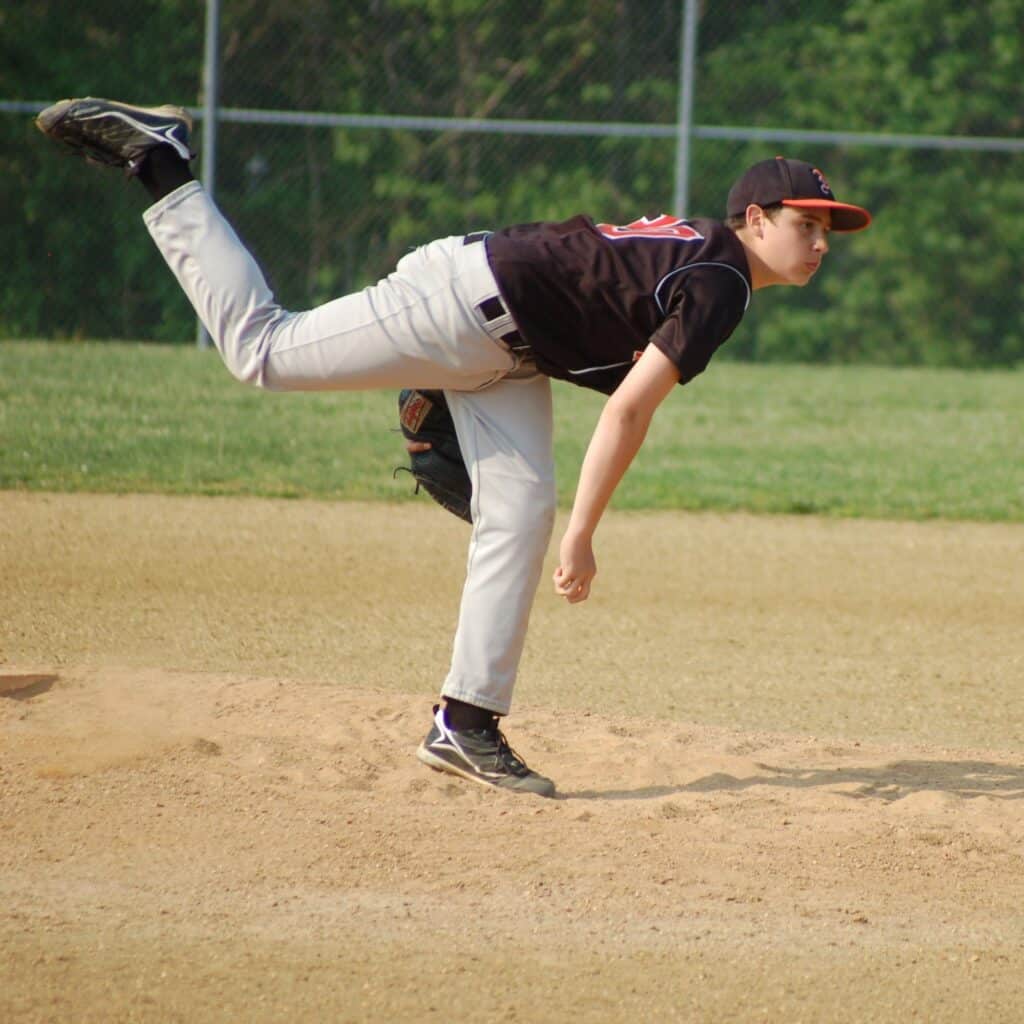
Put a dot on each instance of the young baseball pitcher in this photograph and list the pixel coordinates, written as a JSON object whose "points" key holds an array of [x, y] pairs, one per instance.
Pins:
{"points": [[630, 310]]}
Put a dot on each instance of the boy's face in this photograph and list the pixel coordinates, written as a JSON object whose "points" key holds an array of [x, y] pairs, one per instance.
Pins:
{"points": [[794, 243]]}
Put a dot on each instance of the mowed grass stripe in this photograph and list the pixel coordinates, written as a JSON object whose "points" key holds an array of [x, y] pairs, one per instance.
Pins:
{"points": [[844, 441]]}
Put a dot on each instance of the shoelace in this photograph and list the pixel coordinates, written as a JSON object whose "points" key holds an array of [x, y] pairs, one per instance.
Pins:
{"points": [[507, 756]]}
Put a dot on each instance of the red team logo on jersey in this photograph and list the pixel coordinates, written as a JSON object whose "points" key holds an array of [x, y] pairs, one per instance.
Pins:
{"points": [[665, 226]]}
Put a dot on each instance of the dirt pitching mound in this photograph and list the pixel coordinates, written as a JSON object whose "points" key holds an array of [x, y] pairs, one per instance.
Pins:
{"points": [[788, 753]]}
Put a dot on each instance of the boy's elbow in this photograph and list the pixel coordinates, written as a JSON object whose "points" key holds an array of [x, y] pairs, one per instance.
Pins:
{"points": [[627, 415]]}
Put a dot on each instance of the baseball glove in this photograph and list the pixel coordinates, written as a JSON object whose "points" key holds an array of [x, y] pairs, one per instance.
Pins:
{"points": [[440, 471]]}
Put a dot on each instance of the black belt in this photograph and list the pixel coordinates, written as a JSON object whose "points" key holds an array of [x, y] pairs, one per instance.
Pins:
{"points": [[494, 308]]}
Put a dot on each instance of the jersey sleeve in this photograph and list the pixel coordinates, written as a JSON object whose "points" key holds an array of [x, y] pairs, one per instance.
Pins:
{"points": [[705, 309]]}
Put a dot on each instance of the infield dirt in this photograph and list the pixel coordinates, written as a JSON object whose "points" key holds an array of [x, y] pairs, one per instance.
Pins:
{"points": [[790, 754]]}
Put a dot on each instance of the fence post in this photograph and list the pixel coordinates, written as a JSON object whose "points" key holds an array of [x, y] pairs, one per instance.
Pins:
{"points": [[210, 100], [684, 120]]}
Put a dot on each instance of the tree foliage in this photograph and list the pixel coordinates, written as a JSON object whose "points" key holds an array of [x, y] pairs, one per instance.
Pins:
{"points": [[937, 280]]}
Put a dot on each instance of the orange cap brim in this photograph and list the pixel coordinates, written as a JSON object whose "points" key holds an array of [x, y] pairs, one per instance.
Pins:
{"points": [[845, 217]]}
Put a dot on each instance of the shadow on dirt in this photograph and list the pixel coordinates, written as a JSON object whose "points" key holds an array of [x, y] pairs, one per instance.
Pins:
{"points": [[890, 782], [25, 686]]}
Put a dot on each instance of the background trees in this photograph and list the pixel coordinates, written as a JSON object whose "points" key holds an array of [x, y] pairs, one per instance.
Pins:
{"points": [[936, 281]]}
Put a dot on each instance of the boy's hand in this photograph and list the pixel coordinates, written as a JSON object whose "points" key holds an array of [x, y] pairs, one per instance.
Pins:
{"points": [[576, 569], [619, 433]]}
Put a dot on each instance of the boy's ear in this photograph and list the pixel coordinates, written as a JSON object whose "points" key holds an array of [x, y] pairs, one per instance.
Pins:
{"points": [[755, 219]]}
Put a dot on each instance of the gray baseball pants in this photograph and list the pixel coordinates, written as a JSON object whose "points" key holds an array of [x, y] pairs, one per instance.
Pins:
{"points": [[422, 326]]}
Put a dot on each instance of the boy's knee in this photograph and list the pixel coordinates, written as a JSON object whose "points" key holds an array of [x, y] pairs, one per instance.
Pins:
{"points": [[246, 362], [546, 503], [243, 372], [525, 508]]}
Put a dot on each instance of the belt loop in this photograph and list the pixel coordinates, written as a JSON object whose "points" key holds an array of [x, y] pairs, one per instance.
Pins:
{"points": [[498, 322], [493, 309]]}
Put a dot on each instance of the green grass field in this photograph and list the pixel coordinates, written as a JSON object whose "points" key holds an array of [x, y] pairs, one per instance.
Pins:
{"points": [[845, 441]]}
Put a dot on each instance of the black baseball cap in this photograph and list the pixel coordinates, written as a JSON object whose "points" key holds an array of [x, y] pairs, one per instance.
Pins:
{"points": [[793, 183]]}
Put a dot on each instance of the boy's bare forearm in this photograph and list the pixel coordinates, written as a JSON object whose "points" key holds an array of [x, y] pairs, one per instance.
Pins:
{"points": [[618, 436], [616, 440]]}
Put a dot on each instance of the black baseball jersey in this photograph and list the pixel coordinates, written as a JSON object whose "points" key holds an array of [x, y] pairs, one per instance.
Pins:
{"points": [[589, 297]]}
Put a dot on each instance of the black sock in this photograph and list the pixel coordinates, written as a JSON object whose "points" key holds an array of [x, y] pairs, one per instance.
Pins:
{"points": [[162, 171], [463, 717]]}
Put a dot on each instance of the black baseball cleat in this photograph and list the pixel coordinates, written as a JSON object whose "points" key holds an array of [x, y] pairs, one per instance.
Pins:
{"points": [[116, 134], [480, 755]]}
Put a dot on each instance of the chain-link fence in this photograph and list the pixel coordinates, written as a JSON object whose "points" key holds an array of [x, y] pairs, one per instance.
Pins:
{"points": [[349, 132]]}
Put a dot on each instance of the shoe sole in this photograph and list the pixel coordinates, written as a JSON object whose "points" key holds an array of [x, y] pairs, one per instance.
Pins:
{"points": [[48, 121], [429, 758]]}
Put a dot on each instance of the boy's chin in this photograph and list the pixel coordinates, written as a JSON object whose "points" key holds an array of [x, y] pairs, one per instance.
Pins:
{"points": [[800, 277]]}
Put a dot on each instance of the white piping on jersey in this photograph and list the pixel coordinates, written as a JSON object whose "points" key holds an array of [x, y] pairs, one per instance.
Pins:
{"points": [[691, 266], [661, 309], [598, 369]]}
